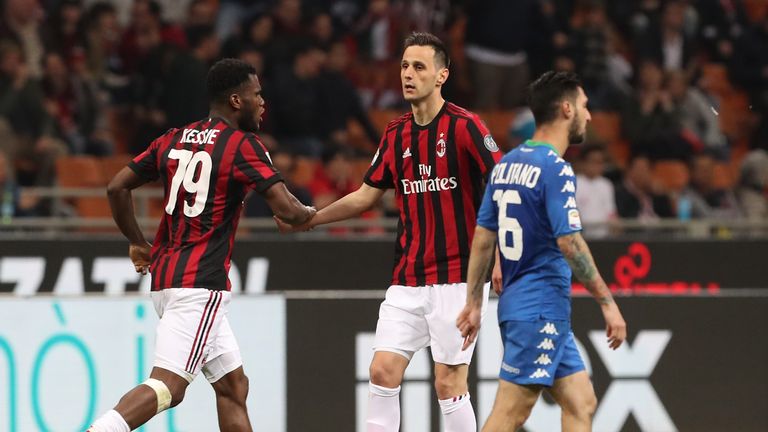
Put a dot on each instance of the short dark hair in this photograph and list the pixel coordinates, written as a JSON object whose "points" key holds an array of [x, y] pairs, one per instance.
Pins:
{"points": [[227, 75], [428, 39], [546, 93]]}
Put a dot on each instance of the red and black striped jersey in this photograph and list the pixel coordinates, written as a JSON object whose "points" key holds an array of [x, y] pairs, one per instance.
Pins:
{"points": [[205, 168], [438, 172]]}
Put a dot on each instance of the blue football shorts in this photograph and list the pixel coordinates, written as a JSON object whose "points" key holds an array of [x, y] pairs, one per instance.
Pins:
{"points": [[538, 352]]}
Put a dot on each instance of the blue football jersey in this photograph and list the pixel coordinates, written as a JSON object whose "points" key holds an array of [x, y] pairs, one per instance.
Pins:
{"points": [[530, 201]]}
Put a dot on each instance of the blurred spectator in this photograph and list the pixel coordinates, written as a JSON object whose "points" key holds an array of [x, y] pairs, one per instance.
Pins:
{"points": [[257, 35], [184, 96], [707, 200], [64, 30], [428, 15], [379, 32], [255, 58], [21, 24], [9, 198], [499, 33], [694, 112], [289, 33], [295, 100], [340, 100], [594, 193], [321, 31], [147, 30], [102, 40], [638, 196], [201, 13], [26, 129], [668, 43], [592, 52], [380, 88], [551, 40], [333, 178], [522, 128], [722, 23], [649, 120], [285, 162], [644, 18], [72, 100], [752, 188], [749, 67], [233, 12]]}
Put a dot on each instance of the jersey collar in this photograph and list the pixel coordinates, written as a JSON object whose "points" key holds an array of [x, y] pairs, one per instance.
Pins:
{"points": [[532, 143]]}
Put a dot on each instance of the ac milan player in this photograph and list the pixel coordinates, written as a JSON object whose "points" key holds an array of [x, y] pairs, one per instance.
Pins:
{"points": [[206, 168], [436, 158]]}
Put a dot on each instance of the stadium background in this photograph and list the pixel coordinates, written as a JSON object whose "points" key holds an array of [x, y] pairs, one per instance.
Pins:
{"points": [[679, 98]]}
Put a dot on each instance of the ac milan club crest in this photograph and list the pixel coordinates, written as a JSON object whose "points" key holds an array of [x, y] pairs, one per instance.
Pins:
{"points": [[441, 146]]}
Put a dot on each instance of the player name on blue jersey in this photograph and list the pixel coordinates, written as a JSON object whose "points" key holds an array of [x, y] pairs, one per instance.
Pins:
{"points": [[516, 173]]}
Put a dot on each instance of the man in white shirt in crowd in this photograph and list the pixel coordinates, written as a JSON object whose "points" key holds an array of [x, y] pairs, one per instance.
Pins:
{"points": [[594, 193]]}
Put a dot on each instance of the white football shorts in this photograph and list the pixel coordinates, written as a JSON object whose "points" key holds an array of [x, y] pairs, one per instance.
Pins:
{"points": [[194, 333], [412, 318]]}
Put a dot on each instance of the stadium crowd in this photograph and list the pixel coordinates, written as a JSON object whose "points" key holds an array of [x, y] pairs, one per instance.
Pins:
{"points": [[678, 88]]}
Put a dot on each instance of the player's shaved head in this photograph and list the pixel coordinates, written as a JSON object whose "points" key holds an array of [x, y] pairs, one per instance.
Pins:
{"points": [[548, 91], [226, 77], [428, 39]]}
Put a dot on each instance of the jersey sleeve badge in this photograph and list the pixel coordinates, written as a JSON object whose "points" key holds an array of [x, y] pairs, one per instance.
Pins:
{"points": [[490, 144], [574, 221]]}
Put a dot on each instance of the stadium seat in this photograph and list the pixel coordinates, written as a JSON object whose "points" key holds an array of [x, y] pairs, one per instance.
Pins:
{"points": [[84, 172], [672, 174], [112, 165], [606, 126], [724, 176]]}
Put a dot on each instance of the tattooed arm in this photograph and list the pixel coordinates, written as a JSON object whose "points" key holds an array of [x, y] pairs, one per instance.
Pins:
{"points": [[577, 253], [480, 258]]}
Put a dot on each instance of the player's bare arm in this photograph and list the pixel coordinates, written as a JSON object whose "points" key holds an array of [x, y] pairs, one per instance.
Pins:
{"points": [[121, 203], [577, 253], [346, 207], [286, 206], [480, 259]]}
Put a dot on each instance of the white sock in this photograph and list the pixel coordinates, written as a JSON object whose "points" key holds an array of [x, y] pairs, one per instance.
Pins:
{"points": [[112, 421], [458, 414], [383, 409]]}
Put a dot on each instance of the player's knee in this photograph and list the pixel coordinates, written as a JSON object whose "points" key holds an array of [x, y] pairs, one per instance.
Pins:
{"points": [[234, 388], [167, 397], [177, 395], [385, 375], [588, 406], [584, 408], [449, 385], [519, 417]]}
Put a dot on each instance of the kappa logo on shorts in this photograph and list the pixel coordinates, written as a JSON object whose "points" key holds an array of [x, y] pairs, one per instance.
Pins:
{"points": [[546, 344], [510, 369], [543, 360], [549, 329], [540, 373]]}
